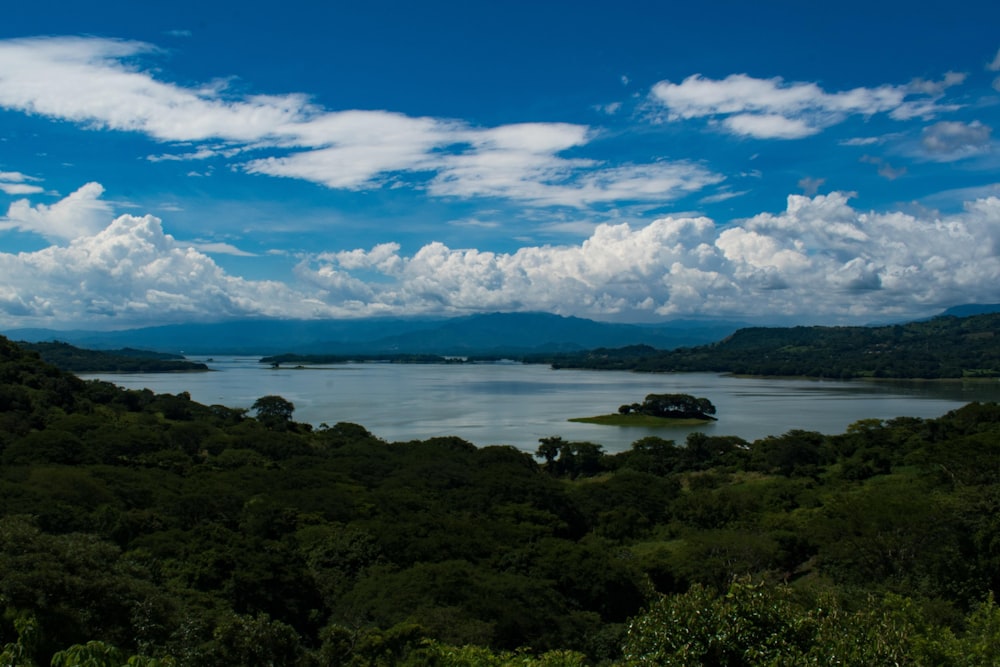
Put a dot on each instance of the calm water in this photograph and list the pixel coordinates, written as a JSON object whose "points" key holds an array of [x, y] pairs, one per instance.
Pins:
{"points": [[518, 404]]}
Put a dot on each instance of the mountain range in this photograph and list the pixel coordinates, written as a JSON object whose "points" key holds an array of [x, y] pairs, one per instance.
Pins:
{"points": [[481, 334]]}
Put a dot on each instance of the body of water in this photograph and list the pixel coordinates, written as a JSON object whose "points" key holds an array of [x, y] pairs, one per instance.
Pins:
{"points": [[516, 404]]}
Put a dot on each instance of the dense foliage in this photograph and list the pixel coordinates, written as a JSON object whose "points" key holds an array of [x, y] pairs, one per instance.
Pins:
{"points": [[151, 526], [126, 360], [944, 347], [672, 406]]}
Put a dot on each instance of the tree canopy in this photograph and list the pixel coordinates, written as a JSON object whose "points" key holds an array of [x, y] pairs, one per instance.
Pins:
{"points": [[943, 347], [676, 406], [151, 529], [275, 411]]}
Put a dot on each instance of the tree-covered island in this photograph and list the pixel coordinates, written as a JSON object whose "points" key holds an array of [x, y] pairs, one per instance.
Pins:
{"points": [[658, 410]]}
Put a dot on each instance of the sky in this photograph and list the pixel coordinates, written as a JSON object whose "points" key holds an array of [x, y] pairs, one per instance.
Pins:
{"points": [[631, 161]]}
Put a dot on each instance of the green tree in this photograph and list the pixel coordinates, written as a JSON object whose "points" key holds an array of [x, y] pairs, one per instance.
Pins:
{"points": [[571, 459], [274, 411], [677, 406], [749, 625], [254, 640]]}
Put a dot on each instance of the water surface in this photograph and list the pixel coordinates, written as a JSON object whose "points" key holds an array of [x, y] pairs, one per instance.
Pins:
{"points": [[517, 404]]}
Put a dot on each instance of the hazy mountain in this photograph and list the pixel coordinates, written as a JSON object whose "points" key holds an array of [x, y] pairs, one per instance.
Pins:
{"points": [[973, 309], [496, 333]]}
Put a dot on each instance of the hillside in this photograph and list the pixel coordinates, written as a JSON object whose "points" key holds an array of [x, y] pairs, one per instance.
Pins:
{"points": [[150, 525], [78, 360], [943, 347]]}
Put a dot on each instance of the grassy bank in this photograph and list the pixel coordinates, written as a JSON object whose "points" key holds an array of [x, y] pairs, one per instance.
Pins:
{"points": [[637, 419]]}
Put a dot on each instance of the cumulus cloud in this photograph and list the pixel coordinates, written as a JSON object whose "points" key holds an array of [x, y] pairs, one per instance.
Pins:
{"points": [[96, 82], [82, 213], [952, 140], [131, 272], [775, 109], [818, 260]]}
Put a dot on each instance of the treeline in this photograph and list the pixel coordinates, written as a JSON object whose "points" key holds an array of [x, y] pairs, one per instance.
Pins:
{"points": [[126, 360], [145, 525], [944, 347]]}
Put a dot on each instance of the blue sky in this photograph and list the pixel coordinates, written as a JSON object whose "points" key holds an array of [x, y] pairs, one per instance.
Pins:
{"points": [[627, 161]]}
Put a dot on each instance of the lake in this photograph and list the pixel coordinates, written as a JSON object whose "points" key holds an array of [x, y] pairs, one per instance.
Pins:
{"points": [[515, 404]]}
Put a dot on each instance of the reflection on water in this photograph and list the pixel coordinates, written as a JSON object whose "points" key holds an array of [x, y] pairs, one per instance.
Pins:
{"points": [[516, 405]]}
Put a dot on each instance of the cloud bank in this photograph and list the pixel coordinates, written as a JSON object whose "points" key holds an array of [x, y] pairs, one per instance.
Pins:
{"points": [[819, 260]]}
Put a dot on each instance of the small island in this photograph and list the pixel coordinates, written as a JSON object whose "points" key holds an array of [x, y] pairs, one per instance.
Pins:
{"points": [[658, 410]]}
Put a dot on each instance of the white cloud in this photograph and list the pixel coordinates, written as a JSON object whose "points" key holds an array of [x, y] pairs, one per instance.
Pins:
{"points": [[818, 260], [811, 186], [20, 189], [474, 223], [219, 248], [952, 140], [546, 180], [355, 149], [15, 177], [722, 196], [933, 88], [994, 65], [16, 183], [87, 81], [885, 170], [95, 82], [132, 273], [80, 214], [776, 109], [768, 126], [862, 141]]}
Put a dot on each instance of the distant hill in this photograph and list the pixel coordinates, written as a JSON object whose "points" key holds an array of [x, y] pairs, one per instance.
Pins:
{"points": [[973, 309], [67, 357], [485, 334], [943, 347]]}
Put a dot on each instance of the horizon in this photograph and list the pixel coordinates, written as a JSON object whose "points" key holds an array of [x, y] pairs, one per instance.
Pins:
{"points": [[638, 163]]}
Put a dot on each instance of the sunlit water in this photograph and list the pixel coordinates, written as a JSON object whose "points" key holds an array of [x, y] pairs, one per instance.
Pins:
{"points": [[518, 404]]}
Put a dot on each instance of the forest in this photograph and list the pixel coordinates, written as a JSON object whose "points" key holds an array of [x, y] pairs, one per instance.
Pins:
{"points": [[943, 347], [148, 529], [126, 360]]}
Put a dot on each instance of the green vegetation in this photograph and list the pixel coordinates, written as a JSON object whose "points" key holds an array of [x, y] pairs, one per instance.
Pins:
{"points": [[127, 360], [658, 410], [636, 419], [148, 529], [944, 347]]}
